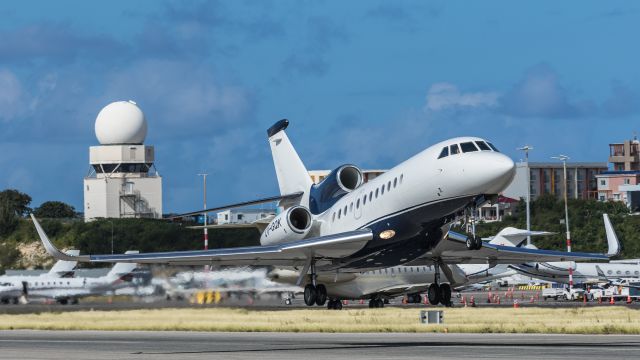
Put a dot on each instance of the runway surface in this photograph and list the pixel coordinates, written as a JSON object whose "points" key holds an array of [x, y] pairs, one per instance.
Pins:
{"points": [[195, 345]]}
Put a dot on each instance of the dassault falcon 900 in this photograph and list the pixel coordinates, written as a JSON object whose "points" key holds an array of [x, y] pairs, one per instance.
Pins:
{"points": [[345, 225]]}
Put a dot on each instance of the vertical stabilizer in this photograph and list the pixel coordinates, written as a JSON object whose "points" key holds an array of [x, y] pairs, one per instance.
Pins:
{"points": [[613, 244], [120, 270], [64, 268], [291, 172]]}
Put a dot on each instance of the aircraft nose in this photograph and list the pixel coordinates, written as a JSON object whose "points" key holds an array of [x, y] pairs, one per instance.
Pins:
{"points": [[502, 170]]}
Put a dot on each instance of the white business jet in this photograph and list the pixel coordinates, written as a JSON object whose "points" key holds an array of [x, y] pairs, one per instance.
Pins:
{"points": [[13, 287], [343, 225], [69, 290]]}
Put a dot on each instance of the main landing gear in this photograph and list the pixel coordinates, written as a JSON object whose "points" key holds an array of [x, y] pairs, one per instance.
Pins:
{"points": [[314, 293], [439, 293], [376, 303]]}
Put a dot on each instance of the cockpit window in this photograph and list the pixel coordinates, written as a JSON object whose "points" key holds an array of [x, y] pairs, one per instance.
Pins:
{"points": [[454, 149], [468, 147], [444, 152], [483, 146], [493, 147]]}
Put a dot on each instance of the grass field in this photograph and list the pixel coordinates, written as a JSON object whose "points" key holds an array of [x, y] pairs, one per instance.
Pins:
{"points": [[601, 320]]}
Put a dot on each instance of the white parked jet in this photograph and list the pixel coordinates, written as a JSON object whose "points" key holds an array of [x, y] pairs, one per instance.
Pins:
{"points": [[13, 287], [69, 290], [585, 272], [344, 225]]}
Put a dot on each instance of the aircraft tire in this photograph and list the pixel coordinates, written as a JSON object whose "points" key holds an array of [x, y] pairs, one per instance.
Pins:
{"points": [[372, 303], [15, 301], [338, 305], [63, 301], [445, 294], [470, 243], [310, 295], [321, 295], [478, 241], [380, 303], [433, 294]]}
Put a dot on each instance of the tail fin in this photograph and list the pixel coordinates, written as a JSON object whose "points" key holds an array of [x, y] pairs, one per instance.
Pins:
{"points": [[613, 244], [120, 270], [64, 268], [291, 172]]}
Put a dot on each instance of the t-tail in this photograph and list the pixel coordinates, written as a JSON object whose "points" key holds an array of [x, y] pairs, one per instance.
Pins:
{"points": [[64, 268], [122, 271], [292, 175]]}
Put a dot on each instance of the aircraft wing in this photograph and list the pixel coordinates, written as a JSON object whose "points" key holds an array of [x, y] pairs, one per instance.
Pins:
{"points": [[296, 253], [452, 249]]}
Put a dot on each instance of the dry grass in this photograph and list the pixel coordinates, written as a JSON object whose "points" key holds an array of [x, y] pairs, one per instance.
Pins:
{"points": [[602, 320]]}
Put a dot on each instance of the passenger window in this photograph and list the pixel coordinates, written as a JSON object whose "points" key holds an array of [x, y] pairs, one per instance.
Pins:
{"points": [[370, 196], [401, 177], [351, 207], [389, 185], [444, 152], [333, 218], [377, 193], [454, 149], [483, 146], [345, 210], [364, 200], [395, 182], [493, 147], [393, 271], [339, 213], [382, 190], [468, 147], [358, 204]]}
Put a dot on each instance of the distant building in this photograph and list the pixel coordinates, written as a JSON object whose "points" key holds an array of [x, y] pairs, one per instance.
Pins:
{"points": [[548, 178], [622, 182], [122, 182], [243, 216], [490, 212]]}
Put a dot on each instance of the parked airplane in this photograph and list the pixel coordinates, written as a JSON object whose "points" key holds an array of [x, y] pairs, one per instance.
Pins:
{"points": [[412, 281], [345, 226], [584, 272], [69, 290], [13, 287]]}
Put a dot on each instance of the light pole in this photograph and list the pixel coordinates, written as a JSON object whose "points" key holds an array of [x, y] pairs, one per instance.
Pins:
{"points": [[206, 232], [526, 149], [564, 159]]}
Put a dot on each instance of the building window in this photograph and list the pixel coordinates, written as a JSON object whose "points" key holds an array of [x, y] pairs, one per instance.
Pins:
{"points": [[239, 216], [602, 198], [226, 216], [627, 181], [603, 182]]}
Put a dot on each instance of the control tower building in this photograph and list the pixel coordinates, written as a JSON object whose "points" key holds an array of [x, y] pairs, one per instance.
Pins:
{"points": [[122, 181]]}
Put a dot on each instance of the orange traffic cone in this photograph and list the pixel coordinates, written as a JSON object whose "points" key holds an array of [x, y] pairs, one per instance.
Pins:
{"points": [[584, 299], [532, 300], [361, 301], [498, 300], [611, 301], [600, 300], [516, 305], [345, 302], [628, 299]]}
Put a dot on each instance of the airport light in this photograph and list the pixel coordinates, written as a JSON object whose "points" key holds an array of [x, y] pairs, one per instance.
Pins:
{"points": [[526, 149], [564, 159]]}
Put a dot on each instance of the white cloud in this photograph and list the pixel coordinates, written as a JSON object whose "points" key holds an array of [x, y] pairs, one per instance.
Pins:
{"points": [[443, 96]]}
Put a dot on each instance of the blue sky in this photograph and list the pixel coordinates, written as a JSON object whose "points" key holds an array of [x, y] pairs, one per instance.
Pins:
{"points": [[364, 82]]}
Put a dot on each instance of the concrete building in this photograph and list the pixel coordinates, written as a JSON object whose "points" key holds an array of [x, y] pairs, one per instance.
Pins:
{"points": [[243, 216], [622, 182], [548, 178], [122, 181]]}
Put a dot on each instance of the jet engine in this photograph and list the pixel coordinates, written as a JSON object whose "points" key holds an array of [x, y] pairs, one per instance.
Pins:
{"points": [[290, 225], [339, 182]]}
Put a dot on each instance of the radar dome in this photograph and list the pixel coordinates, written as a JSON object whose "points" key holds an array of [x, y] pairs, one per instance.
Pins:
{"points": [[121, 122]]}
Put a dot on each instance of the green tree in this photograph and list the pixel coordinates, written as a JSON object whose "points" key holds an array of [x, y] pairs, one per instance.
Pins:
{"points": [[8, 255], [8, 219], [16, 200], [55, 210]]}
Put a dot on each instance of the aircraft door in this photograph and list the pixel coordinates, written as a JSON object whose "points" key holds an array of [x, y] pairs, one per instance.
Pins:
{"points": [[25, 289], [359, 205]]}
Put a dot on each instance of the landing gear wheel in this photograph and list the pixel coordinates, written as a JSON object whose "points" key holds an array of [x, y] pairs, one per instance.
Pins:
{"points": [[287, 301], [321, 295], [372, 303], [477, 242], [470, 243], [433, 294], [380, 303], [445, 294], [310, 295], [338, 304]]}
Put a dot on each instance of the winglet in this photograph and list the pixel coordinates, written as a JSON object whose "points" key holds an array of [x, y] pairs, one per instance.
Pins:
{"points": [[51, 249], [612, 239]]}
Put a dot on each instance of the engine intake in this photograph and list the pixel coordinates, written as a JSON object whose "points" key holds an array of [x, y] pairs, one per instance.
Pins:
{"points": [[290, 225], [338, 183]]}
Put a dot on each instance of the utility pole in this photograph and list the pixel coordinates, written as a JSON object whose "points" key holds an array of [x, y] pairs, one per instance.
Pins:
{"points": [[526, 149], [564, 159], [206, 232]]}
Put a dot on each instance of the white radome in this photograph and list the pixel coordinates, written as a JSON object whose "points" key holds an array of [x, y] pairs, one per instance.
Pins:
{"points": [[121, 122]]}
